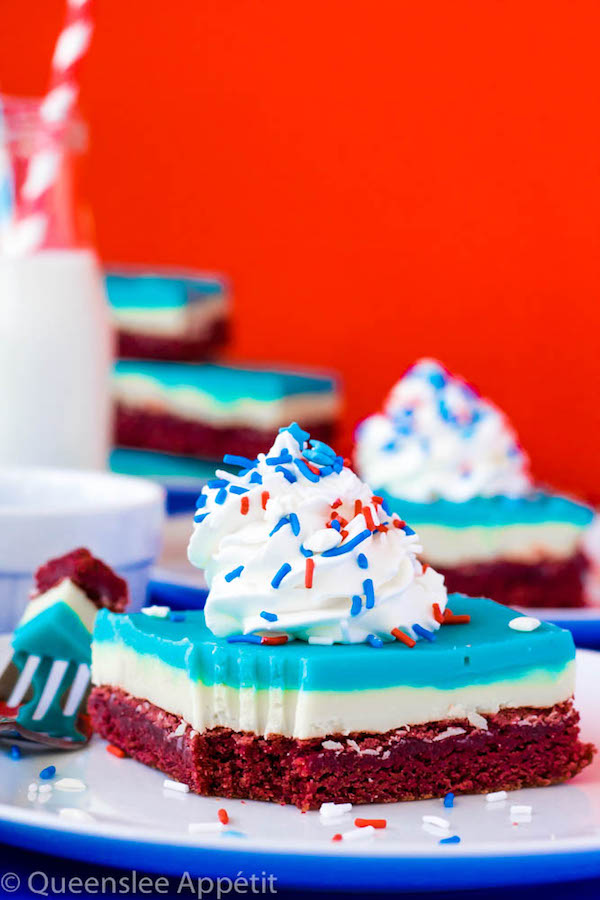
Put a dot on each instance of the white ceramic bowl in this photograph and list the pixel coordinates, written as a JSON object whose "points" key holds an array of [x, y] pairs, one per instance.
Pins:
{"points": [[47, 512]]}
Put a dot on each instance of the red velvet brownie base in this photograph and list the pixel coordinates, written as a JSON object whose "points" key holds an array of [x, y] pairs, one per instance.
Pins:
{"points": [[548, 583], [97, 580], [521, 748], [188, 348], [148, 430]]}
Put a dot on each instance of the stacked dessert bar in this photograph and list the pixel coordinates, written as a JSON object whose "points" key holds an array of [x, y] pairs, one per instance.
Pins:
{"points": [[177, 411]]}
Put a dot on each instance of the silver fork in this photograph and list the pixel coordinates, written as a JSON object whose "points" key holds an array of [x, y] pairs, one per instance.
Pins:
{"points": [[24, 721]]}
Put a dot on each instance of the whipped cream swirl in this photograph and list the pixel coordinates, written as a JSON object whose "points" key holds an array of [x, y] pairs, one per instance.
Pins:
{"points": [[296, 544], [437, 438]]}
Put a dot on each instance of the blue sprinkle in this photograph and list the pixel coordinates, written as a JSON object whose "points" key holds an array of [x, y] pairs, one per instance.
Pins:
{"points": [[48, 772], [356, 605], [270, 617], [201, 501], [177, 617], [235, 573], [237, 489], [454, 839], [231, 460], [297, 433], [306, 471], [374, 641], [231, 832], [389, 447], [15, 752], [244, 639], [256, 478], [335, 524], [304, 551], [200, 517], [284, 457], [321, 459], [295, 524], [407, 529], [385, 506], [348, 545], [323, 448], [280, 575], [326, 470], [362, 561], [217, 483], [369, 593], [221, 497], [283, 521], [449, 800], [424, 633], [286, 474]]}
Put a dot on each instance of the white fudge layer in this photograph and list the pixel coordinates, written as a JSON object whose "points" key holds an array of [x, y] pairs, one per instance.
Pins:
{"points": [[443, 546], [310, 714], [68, 593], [190, 320]]}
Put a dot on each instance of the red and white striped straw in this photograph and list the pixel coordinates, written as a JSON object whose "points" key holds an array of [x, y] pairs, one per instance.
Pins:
{"points": [[56, 108]]}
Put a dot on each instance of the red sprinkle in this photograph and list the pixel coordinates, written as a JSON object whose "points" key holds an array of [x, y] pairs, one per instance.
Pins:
{"points": [[369, 518], [357, 507], [382, 528], [222, 816], [273, 639], [244, 505], [334, 515], [456, 620], [336, 503], [308, 577], [376, 499], [264, 496], [425, 567], [116, 751], [437, 613], [376, 823], [336, 837], [344, 533], [404, 638], [347, 462], [312, 468], [399, 523]]}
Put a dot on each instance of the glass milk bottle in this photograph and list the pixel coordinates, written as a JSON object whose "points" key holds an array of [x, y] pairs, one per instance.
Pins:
{"points": [[55, 334]]}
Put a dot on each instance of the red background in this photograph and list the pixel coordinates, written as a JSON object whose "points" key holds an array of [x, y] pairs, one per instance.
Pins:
{"points": [[381, 180]]}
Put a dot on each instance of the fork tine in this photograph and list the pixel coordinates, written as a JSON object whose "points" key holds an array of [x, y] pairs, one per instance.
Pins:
{"points": [[78, 689], [23, 681], [53, 682]]}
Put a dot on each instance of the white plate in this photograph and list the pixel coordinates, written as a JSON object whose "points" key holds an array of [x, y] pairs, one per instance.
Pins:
{"points": [[135, 823]]}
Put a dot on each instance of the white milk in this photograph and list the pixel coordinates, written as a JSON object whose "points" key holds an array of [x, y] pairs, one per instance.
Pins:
{"points": [[55, 359]]}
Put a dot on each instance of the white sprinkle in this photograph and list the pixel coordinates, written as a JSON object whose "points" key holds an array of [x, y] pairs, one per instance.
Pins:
{"points": [[521, 810], [205, 827], [435, 830], [332, 810], [436, 820], [477, 721], [33, 787], [495, 796], [45, 788], [159, 612], [179, 731], [325, 641], [176, 786], [332, 745], [358, 834], [75, 815], [524, 623], [43, 798], [449, 732], [70, 784]]}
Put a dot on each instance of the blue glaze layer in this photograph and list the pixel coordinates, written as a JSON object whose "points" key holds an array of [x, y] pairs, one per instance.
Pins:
{"points": [[535, 509], [144, 290], [484, 651], [226, 383], [151, 464]]}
